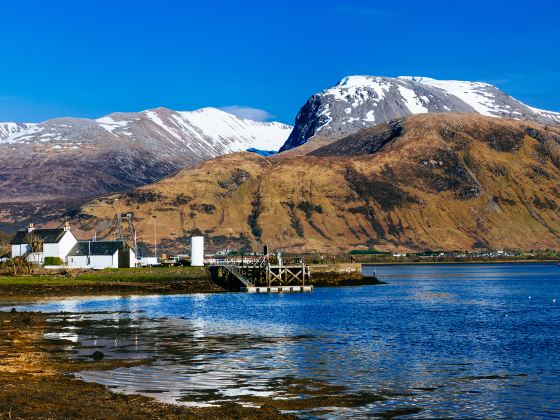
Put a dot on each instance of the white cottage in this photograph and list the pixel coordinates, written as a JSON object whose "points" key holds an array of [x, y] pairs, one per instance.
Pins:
{"points": [[101, 254], [55, 243]]}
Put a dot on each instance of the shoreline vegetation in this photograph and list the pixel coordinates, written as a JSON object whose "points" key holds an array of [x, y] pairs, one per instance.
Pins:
{"points": [[41, 283], [373, 256]]}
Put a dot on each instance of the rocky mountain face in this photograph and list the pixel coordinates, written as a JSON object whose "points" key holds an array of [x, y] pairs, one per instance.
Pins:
{"points": [[8, 129], [431, 181], [49, 167], [358, 102]]}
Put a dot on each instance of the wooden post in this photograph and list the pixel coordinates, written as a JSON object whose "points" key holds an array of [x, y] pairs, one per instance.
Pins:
{"points": [[267, 272]]}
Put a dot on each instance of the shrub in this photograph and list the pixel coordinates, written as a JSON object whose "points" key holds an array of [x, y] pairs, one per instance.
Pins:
{"points": [[53, 261]]}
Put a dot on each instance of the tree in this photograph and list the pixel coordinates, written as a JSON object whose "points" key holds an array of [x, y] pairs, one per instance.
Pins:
{"points": [[20, 266], [4, 243], [36, 244]]}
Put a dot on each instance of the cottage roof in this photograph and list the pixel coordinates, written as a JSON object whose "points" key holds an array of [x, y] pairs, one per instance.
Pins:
{"points": [[96, 248], [49, 236]]}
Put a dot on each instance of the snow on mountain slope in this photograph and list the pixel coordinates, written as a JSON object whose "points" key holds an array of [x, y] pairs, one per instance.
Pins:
{"points": [[8, 129], [547, 115], [62, 161], [211, 125], [209, 131], [358, 102]]}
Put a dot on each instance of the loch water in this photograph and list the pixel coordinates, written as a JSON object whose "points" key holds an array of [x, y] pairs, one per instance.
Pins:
{"points": [[457, 340]]}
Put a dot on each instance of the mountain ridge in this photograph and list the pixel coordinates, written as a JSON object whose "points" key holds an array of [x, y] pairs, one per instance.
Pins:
{"points": [[357, 102], [427, 181], [55, 165]]}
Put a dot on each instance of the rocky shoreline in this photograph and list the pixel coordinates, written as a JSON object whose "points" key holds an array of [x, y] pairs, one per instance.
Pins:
{"points": [[37, 381]]}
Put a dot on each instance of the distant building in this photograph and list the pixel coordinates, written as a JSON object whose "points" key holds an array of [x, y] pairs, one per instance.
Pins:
{"points": [[61, 243], [55, 243], [149, 261], [101, 254]]}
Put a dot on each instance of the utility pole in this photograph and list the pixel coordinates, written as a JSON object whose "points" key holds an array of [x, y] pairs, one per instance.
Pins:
{"points": [[155, 236]]}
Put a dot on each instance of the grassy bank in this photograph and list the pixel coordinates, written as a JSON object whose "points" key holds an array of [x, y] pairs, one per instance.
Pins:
{"points": [[157, 280], [130, 275], [169, 280]]}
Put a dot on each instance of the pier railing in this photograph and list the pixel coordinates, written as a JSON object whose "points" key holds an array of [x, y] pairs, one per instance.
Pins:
{"points": [[260, 272]]}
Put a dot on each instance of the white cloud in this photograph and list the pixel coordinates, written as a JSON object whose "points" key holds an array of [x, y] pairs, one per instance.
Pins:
{"points": [[249, 113]]}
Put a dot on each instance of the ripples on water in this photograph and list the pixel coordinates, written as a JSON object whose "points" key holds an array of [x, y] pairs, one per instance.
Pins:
{"points": [[460, 341]]}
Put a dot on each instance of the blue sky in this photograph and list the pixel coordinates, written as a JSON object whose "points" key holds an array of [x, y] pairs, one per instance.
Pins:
{"points": [[88, 58]]}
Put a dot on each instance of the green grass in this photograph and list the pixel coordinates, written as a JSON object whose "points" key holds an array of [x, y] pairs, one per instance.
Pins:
{"points": [[132, 275], [41, 280]]}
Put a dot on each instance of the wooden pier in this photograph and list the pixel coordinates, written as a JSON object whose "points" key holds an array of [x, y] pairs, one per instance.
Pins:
{"points": [[260, 276]]}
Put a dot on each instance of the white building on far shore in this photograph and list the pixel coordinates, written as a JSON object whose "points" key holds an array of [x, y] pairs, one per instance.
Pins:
{"points": [[66, 250], [101, 254], [55, 243]]}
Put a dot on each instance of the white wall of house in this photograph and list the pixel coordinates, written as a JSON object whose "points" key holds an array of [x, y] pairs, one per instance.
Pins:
{"points": [[19, 250], [62, 248], [133, 260], [94, 261], [148, 261]]}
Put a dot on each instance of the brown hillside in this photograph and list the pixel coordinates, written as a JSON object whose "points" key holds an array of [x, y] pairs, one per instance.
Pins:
{"points": [[433, 181]]}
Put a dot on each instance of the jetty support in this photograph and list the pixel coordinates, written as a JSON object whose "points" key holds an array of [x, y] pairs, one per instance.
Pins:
{"points": [[259, 275]]}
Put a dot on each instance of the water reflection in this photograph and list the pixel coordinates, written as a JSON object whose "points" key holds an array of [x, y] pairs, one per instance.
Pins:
{"points": [[438, 341]]}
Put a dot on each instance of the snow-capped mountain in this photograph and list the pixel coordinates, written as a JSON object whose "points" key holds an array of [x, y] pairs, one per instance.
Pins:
{"points": [[207, 132], [8, 129], [65, 160], [358, 102]]}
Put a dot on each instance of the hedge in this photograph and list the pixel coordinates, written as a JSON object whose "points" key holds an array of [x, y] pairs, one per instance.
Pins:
{"points": [[53, 261]]}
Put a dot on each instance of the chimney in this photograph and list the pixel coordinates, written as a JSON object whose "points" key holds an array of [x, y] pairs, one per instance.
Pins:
{"points": [[66, 226], [31, 228]]}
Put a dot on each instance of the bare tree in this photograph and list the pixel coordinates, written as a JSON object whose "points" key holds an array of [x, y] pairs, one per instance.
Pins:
{"points": [[20, 266], [4, 244], [36, 244]]}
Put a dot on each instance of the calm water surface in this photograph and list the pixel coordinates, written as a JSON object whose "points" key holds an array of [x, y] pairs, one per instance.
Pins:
{"points": [[438, 340]]}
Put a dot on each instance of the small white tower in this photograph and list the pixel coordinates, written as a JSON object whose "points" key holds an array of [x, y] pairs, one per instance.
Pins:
{"points": [[197, 251]]}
